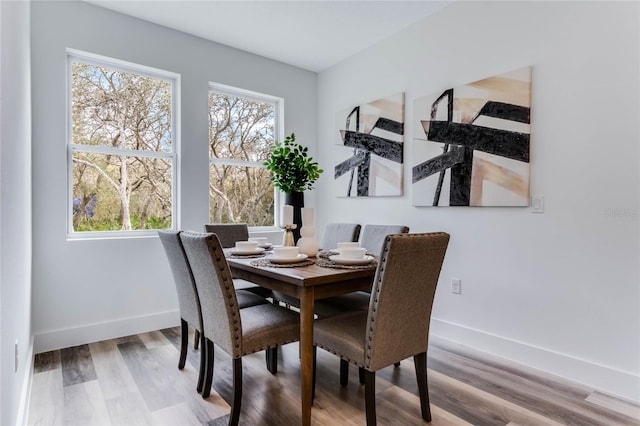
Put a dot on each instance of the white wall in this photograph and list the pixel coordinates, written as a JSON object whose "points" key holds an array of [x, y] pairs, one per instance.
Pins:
{"points": [[559, 290], [92, 290], [15, 210]]}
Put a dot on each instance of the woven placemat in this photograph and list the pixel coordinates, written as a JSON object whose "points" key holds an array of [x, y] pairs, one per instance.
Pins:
{"points": [[245, 256], [267, 263], [326, 253], [326, 263]]}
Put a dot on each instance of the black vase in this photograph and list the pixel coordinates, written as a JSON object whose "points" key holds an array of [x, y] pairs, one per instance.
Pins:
{"points": [[295, 199]]}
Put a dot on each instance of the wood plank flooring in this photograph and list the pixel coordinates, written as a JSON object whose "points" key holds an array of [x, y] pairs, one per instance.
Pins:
{"points": [[135, 381]]}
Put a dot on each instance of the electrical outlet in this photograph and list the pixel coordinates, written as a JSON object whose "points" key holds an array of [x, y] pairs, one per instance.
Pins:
{"points": [[15, 368], [456, 286]]}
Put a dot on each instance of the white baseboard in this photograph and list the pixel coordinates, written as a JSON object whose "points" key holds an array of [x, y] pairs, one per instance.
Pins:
{"points": [[619, 383], [65, 338], [25, 393], [615, 382]]}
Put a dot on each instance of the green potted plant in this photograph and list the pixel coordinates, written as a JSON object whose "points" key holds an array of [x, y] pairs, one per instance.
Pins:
{"points": [[293, 172]]}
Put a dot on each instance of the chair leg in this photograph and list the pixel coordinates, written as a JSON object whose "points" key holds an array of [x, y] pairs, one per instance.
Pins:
{"points": [[344, 372], [396, 364], [184, 341], [234, 417], [206, 390], [196, 338], [203, 363], [271, 356], [420, 362], [370, 396], [361, 375]]}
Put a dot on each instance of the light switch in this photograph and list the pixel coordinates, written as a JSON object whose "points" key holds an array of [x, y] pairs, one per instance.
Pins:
{"points": [[538, 204]]}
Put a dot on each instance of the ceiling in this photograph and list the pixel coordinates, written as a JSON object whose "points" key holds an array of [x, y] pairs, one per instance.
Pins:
{"points": [[313, 35]]}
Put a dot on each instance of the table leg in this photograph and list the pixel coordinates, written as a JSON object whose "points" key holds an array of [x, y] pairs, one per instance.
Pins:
{"points": [[306, 351]]}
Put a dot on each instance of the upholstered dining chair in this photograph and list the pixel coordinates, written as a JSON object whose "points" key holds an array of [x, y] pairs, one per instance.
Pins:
{"points": [[333, 234], [372, 238], [228, 234], [236, 331], [339, 232], [188, 300], [396, 325]]}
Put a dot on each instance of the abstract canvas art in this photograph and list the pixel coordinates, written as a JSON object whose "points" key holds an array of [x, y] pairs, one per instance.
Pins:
{"points": [[471, 143], [371, 148]]}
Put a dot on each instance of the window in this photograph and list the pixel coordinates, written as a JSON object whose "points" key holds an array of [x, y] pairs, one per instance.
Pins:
{"points": [[122, 147], [242, 128]]}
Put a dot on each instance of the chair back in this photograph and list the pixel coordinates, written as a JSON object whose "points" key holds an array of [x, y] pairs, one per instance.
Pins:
{"points": [[220, 313], [373, 236], [228, 233], [339, 232], [402, 297], [188, 300]]}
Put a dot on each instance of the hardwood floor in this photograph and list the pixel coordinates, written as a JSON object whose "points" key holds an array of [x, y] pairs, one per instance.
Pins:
{"points": [[135, 381]]}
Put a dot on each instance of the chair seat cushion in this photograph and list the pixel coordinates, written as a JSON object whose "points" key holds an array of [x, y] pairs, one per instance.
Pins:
{"points": [[241, 284], [343, 335], [341, 304], [266, 326], [246, 298], [333, 305], [286, 299]]}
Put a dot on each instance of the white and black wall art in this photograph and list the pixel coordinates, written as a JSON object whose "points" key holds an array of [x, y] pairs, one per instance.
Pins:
{"points": [[471, 143], [371, 148]]}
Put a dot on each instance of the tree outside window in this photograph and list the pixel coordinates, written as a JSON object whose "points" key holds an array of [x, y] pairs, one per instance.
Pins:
{"points": [[122, 148], [242, 129]]}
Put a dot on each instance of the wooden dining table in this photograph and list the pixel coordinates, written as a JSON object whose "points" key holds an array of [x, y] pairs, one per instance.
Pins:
{"points": [[308, 284]]}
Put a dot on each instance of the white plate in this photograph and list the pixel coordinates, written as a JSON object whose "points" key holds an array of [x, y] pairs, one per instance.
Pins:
{"points": [[344, 261], [337, 250], [242, 252], [298, 258], [265, 246]]}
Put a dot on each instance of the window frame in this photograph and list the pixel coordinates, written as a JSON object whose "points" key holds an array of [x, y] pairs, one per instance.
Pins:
{"points": [[278, 127], [74, 55]]}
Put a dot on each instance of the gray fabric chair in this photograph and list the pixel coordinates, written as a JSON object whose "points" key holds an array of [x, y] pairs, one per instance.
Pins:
{"points": [[335, 233], [396, 325], [372, 237], [188, 300], [228, 234], [238, 332]]}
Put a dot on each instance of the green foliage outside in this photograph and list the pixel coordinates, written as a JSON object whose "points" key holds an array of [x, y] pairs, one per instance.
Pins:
{"points": [[114, 110], [90, 224], [113, 190], [241, 134]]}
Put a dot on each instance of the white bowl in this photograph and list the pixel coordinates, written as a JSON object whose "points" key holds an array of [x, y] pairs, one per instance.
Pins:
{"points": [[260, 240], [346, 244], [286, 251], [246, 245], [353, 252]]}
